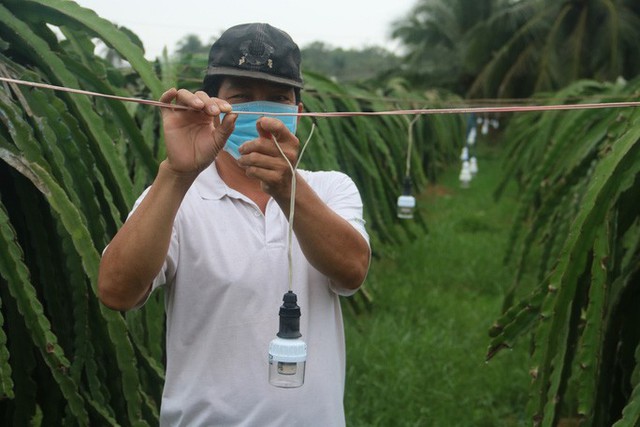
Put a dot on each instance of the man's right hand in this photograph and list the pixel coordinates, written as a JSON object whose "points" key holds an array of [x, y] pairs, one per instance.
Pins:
{"points": [[194, 137], [137, 252]]}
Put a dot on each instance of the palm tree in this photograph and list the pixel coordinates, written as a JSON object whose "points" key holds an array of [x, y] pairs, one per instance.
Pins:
{"points": [[553, 43], [434, 33], [512, 48]]}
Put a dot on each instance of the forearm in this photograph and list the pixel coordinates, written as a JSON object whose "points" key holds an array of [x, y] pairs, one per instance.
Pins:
{"points": [[137, 252], [332, 245]]}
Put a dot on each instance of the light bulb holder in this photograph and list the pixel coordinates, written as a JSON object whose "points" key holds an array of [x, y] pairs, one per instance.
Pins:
{"points": [[406, 186], [289, 317]]}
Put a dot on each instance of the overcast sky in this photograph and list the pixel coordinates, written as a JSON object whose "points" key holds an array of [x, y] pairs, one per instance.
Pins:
{"points": [[339, 23]]}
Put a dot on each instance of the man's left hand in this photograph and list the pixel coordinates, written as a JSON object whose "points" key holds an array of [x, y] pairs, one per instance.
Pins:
{"points": [[262, 160]]}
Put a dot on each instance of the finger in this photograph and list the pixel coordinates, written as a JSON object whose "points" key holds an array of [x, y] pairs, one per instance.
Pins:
{"points": [[256, 164], [210, 106], [263, 161], [268, 126], [223, 105], [213, 106], [169, 95], [225, 108], [224, 129], [263, 145], [267, 176], [275, 129], [189, 99], [272, 181]]}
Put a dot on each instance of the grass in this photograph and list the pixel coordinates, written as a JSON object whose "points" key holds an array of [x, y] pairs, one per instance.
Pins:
{"points": [[417, 356]]}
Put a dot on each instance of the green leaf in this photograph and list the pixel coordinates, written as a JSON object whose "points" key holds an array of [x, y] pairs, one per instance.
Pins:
{"points": [[60, 12], [16, 274], [56, 70], [631, 411], [622, 162], [589, 355], [6, 383]]}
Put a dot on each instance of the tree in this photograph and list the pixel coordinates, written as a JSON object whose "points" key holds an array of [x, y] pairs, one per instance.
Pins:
{"points": [[552, 44], [348, 65], [513, 48], [435, 35], [191, 45]]}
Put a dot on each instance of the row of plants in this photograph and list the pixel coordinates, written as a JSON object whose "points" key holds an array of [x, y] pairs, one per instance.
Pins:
{"points": [[71, 167], [579, 220]]}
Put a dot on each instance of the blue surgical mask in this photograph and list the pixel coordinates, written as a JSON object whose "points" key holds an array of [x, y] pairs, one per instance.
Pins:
{"points": [[245, 129]]}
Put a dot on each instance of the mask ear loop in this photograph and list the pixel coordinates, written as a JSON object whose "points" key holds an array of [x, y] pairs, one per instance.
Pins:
{"points": [[292, 203]]}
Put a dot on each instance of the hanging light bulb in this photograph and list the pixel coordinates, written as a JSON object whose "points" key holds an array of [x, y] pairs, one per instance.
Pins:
{"points": [[485, 126], [464, 155], [471, 137], [465, 175], [406, 202], [287, 352], [473, 166], [406, 206]]}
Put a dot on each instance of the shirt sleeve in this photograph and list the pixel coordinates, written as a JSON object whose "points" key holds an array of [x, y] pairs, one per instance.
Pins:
{"points": [[341, 194]]}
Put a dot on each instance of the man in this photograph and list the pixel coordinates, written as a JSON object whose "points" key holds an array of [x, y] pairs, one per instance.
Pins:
{"points": [[212, 229]]}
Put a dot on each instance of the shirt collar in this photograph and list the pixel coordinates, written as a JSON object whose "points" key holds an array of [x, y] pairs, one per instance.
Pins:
{"points": [[210, 185]]}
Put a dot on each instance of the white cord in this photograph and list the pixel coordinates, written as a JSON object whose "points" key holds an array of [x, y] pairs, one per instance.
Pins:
{"points": [[292, 203], [410, 146]]}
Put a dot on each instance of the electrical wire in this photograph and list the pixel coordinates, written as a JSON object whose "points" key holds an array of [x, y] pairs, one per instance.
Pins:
{"points": [[410, 146], [292, 201], [458, 110]]}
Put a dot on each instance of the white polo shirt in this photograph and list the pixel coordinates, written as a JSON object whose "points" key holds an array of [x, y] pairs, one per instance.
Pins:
{"points": [[225, 275]]}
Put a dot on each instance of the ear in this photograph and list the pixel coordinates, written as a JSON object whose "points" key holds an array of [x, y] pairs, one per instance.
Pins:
{"points": [[300, 108]]}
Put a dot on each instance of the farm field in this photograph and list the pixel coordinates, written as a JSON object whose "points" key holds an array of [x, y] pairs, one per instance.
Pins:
{"points": [[417, 356]]}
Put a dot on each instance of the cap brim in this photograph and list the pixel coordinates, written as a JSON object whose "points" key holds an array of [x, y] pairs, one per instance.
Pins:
{"points": [[228, 71]]}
